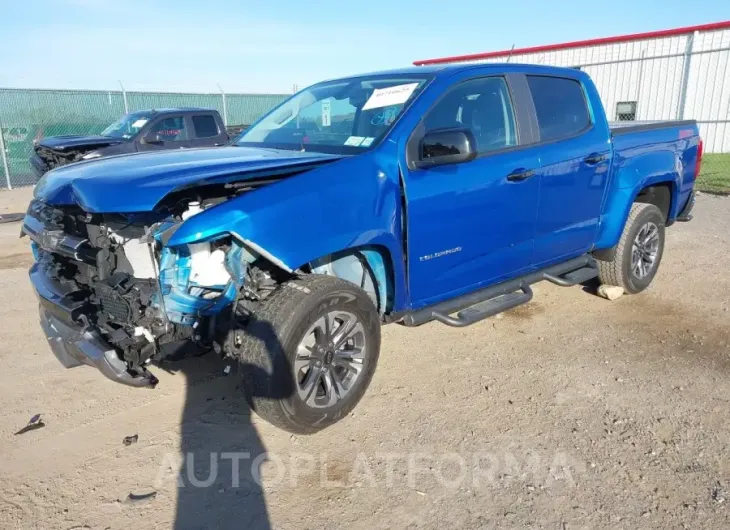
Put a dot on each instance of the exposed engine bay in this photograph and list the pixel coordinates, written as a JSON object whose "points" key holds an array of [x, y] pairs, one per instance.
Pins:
{"points": [[54, 158], [149, 301]]}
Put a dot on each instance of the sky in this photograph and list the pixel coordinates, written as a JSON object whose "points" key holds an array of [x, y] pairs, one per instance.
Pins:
{"points": [[271, 46]]}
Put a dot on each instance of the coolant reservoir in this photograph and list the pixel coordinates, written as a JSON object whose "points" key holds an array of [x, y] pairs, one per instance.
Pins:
{"points": [[207, 268], [193, 208]]}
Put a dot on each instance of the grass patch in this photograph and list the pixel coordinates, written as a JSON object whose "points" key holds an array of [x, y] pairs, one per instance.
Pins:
{"points": [[715, 173]]}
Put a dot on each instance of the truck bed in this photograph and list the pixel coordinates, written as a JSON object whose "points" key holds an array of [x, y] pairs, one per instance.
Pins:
{"points": [[645, 150], [628, 127]]}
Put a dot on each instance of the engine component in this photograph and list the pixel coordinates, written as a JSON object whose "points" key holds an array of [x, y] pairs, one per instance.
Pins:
{"points": [[207, 269]]}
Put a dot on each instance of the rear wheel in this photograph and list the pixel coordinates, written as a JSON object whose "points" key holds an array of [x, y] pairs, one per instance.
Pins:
{"points": [[309, 353], [639, 251]]}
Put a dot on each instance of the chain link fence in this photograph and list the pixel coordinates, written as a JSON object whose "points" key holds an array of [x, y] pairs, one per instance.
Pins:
{"points": [[666, 77], [26, 114]]}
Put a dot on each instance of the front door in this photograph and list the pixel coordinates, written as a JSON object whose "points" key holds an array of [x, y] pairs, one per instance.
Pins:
{"points": [[472, 223], [167, 132]]}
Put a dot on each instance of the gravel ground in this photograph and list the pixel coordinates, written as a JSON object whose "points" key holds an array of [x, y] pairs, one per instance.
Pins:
{"points": [[570, 412]]}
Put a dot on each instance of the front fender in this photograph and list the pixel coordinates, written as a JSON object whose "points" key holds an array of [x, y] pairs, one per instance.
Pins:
{"points": [[350, 203]]}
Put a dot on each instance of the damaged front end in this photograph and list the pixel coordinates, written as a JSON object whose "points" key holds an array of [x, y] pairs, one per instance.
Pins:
{"points": [[53, 152], [113, 296]]}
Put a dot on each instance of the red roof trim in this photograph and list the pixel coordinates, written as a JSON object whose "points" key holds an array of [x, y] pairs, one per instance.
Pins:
{"points": [[579, 43]]}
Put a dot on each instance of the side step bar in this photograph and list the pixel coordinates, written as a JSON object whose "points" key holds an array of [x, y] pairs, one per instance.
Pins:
{"points": [[487, 302], [572, 278], [486, 308]]}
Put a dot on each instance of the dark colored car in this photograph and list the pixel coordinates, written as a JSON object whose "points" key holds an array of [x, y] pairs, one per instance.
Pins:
{"points": [[139, 131]]}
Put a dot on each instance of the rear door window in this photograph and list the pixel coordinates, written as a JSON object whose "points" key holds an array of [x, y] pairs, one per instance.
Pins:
{"points": [[560, 105], [205, 126]]}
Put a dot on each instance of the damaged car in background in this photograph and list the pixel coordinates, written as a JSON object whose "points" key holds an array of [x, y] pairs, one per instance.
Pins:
{"points": [[136, 132], [425, 194]]}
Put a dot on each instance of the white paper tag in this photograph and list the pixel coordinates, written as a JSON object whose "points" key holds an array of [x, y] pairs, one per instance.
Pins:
{"points": [[354, 141], [139, 123], [367, 141], [394, 95], [326, 113]]}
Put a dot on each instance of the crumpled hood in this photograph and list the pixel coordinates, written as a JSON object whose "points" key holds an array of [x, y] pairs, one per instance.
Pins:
{"points": [[137, 182], [61, 143]]}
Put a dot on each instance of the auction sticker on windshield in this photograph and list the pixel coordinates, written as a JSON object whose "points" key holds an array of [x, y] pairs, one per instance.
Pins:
{"points": [[139, 123], [394, 95], [354, 141], [326, 113]]}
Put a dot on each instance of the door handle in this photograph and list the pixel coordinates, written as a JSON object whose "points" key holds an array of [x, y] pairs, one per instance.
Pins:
{"points": [[594, 158], [518, 175]]}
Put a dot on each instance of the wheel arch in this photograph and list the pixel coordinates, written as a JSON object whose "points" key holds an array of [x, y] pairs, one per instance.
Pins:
{"points": [[660, 194], [370, 267]]}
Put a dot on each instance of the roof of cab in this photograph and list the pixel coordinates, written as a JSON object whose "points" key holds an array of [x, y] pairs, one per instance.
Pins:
{"points": [[176, 110], [438, 70]]}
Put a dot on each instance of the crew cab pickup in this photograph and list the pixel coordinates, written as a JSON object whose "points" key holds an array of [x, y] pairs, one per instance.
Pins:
{"points": [[144, 130], [424, 194]]}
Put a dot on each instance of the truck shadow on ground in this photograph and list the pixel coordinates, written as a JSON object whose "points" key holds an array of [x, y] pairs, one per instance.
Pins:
{"points": [[219, 483]]}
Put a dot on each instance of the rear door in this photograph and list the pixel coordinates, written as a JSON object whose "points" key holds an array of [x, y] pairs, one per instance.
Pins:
{"points": [[170, 131], [206, 130], [473, 223], [574, 154]]}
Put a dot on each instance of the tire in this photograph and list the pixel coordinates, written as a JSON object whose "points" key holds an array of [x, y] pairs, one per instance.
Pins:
{"points": [[291, 319], [620, 271]]}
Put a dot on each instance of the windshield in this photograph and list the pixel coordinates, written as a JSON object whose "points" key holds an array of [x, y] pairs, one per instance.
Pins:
{"points": [[128, 125], [341, 117]]}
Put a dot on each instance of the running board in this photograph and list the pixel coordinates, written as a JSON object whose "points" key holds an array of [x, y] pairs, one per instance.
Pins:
{"points": [[489, 301], [572, 278], [486, 308]]}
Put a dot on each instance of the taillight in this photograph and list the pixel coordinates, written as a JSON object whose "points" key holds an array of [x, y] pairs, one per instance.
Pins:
{"points": [[698, 164]]}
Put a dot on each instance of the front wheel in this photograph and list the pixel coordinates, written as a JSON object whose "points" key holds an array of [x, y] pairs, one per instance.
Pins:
{"points": [[639, 251], [308, 353]]}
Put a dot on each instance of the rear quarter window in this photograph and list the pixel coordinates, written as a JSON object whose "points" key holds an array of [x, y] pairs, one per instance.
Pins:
{"points": [[560, 105], [205, 126]]}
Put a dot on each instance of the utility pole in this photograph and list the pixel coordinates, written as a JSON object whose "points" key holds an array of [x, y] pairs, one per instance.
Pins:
{"points": [[4, 156], [225, 108], [124, 97]]}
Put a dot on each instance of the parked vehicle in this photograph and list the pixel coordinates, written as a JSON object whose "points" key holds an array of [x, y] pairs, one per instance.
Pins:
{"points": [[407, 196], [143, 130]]}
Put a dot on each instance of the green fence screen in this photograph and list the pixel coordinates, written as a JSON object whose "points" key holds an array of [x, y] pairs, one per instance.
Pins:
{"points": [[26, 114]]}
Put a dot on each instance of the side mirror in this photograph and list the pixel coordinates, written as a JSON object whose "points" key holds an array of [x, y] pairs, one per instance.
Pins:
{"points": [[448, 146], [152, 139]]}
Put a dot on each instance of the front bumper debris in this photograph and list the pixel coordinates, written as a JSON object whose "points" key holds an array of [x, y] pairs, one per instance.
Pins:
{"points": [[74, 344]]}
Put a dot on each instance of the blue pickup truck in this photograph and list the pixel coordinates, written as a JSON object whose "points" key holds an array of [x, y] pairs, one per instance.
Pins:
{"points": [[424, 194]]}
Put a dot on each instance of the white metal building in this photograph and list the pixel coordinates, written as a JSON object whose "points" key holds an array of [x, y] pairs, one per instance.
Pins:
{"points": [[680, 73]]}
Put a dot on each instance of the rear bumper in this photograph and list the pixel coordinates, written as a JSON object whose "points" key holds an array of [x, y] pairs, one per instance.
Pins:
{"points": [[74, 344], [686, 213]]}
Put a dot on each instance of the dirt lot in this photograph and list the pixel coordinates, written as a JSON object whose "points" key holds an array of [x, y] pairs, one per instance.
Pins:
{"points": [[572, 412]]}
